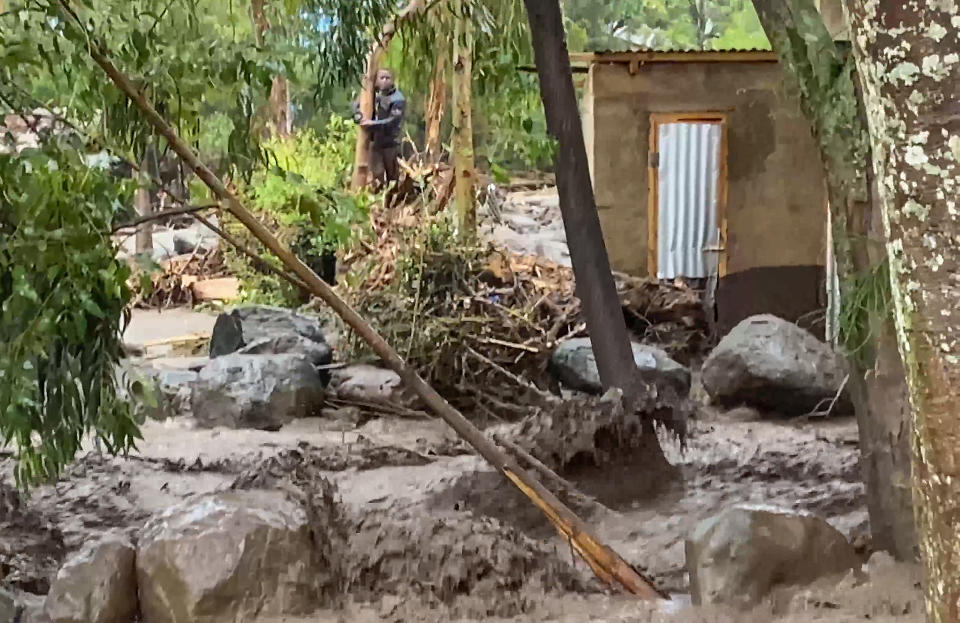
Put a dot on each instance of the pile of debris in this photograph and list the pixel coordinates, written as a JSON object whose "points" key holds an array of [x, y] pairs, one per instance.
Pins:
{"points": [[480, 322], [183, 280]]}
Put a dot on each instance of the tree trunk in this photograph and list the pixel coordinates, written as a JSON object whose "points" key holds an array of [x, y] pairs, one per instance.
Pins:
{"points": [[588, 253], [908, 55], [822, 74], [143, 200], [436, 107], [278, 106], [464, 200], [361, 160]]}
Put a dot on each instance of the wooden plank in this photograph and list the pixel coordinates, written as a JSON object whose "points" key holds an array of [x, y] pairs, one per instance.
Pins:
{"points": [[675, 57], [223, 289], [653, 198]]}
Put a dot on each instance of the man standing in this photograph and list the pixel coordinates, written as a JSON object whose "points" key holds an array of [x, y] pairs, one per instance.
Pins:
{"points": [[384, 129]]}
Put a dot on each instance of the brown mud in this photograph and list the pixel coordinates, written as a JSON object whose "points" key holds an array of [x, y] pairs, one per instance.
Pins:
{"points": [[440, 537]]}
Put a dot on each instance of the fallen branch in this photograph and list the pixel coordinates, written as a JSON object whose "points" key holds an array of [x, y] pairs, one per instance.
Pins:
{"points": [[156, 216], [606, 563], [541, 468]]}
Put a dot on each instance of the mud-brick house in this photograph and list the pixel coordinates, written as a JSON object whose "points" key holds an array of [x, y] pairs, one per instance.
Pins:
{"points": [[704, 168]]}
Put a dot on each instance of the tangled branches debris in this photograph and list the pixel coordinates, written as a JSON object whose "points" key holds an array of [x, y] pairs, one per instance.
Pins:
{"points": [[171, 284], [479, 323]]}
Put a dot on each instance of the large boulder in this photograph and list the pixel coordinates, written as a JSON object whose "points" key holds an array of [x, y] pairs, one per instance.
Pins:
{"points": [[96, 585], [575, 366], [259, 329], [256, 391], [772, 364], [228, 558], [739, 556]]}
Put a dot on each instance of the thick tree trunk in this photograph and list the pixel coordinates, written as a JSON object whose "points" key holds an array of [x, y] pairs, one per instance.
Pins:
{"points": [[464, 199], [588, 253], [908, 56], [822, 75], [361, 160], [436, 107]]}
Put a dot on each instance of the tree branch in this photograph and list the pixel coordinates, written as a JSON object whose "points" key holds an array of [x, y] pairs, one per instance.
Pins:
{"points": [[187, 209]]}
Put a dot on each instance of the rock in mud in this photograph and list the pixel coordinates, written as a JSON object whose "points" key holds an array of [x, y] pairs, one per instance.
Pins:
{"points": [[366, 383], [256, 391], [772, 364], [262, 330], [737, 557], [96, 585], [227, 558], [574, 365]]}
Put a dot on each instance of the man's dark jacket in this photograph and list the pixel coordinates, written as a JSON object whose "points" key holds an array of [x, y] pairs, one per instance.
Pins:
{"points": [[388, 110]]}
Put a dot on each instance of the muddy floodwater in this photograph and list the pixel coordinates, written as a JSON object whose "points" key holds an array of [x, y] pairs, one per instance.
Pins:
{"points": [[416, 470]]}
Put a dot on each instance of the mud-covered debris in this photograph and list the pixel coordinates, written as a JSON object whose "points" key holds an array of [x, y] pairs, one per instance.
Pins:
{"points": [[306, 459], [32, 546], [442, 558], [595, 428]]}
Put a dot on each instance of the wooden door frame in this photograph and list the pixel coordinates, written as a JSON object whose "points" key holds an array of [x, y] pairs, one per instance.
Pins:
{"points": [[653, 183]]}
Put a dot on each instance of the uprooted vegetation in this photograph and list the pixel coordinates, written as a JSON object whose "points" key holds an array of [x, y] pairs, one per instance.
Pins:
{"points": [[480, 322]]}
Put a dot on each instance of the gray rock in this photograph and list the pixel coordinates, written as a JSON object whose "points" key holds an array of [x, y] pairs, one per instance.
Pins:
{"points": [[366, 383], [280, 329], [769, 363], [256, 391], [737, 557], [319, 353], [225, 558], [96, 585], [574, 365]]}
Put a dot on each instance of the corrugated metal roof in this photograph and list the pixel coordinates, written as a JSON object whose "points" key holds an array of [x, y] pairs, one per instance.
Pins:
{"points": [[677, 50]]}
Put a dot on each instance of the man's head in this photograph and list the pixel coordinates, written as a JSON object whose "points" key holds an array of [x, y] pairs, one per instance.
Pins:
{"points": [[384, 80]]}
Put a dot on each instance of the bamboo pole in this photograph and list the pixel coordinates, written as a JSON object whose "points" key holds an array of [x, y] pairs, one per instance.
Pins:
{"points": [[605, 562], [464, 201]]}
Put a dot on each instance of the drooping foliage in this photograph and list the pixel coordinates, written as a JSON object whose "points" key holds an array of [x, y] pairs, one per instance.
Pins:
{"points": [[62, 298]]}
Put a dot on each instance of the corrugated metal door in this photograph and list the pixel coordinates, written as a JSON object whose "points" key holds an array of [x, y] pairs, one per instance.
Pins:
{"points": [[687, 211]]}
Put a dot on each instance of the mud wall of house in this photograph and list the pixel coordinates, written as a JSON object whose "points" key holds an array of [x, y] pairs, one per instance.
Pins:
{"points": [[775, 207]]}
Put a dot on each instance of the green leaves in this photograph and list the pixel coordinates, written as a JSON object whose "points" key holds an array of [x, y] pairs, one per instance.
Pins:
{"points": [[62, 295]]}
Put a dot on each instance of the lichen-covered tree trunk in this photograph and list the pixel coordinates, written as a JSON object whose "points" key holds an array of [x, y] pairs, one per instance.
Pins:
{"points": [[464, 201], [822, 75], [908, 56], [436, 107]]}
